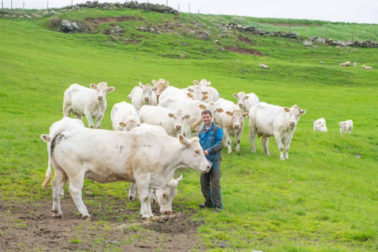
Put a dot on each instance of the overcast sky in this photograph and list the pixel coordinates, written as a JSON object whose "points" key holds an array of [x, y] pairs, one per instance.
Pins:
{"points": [[359, 11]]}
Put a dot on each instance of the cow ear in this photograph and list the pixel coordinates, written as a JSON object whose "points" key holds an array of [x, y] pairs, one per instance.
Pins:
{"points": [[229, 113], [92, 85], [201, 106], [205, 97], [187, 117], [286, 109], [110, 89], [46, 138], [178, 179], [154, 89], [235, 95], [302, 111], [205, 92], [246, 97], [171, 115], [219, 110], [190, 90], [154, 82], [195, 82], [183, 140], [167, 84], [189, 95], [141, 84], [122, 124]]}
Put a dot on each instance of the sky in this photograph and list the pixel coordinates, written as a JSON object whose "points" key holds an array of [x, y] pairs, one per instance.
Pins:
{"points": [[357, 11]]}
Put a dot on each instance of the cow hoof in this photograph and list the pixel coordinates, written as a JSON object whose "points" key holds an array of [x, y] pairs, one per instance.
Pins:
{"points": [[131, 198], [56, 215], [85, 216]]}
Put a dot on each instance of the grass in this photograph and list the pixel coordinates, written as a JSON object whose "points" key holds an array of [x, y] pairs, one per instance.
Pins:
{"points": [[323, 198]]}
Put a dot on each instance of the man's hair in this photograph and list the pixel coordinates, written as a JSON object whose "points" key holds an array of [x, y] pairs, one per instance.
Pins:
{"points": [[206, 111]]}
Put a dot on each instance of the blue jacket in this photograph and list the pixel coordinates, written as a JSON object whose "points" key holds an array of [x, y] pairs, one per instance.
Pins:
{"points": [[211, 140]]}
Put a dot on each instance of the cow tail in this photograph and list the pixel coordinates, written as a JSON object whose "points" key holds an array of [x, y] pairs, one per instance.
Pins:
{"points": [[51, 145]]}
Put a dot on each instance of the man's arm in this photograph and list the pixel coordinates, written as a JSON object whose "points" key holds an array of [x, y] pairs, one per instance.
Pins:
{"points": [[218, 142]]}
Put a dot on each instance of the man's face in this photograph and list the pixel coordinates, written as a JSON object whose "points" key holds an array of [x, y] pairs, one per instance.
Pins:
{"points": [[206, 118]]}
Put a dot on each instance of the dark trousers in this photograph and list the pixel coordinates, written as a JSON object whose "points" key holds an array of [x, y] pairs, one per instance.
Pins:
{"points": [[210, 186]]}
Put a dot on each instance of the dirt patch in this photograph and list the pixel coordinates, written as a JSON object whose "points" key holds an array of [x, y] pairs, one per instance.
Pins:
{"points": [[98, 21], [243, 50], [245, 40], [113, 225]]}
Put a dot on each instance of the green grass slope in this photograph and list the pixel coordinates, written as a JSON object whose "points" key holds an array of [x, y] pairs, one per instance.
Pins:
{"points": [[324, 198]]}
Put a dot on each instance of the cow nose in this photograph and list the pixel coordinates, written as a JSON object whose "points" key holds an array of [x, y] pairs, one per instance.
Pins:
{"points": [[292, 123], [146, 98], [178, 127], [167, 212], [100, 98], [236, 126], [240, 105]]}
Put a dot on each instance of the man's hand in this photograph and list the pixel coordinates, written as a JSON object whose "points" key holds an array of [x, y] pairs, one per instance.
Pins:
{"points": [[205, 152]]}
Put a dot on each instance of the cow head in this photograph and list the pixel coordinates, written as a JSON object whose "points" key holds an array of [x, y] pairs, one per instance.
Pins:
{"points": [[148, 95], [195, 92], [192, 155], [181, 122], [160, 86], [237, 118], [102, 88], [129, 125], [241, 97], [293, 114], [166, 194]]}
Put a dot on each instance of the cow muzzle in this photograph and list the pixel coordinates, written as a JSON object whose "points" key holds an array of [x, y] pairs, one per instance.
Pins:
{"points": [[236, 126], [146, 99], [240, 105], [178, 127], [100, 98], [292, 123]]}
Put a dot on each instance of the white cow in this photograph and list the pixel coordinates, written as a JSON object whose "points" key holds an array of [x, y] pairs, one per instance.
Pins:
{"points": [[143, 95], [187, 107], [107, 156], [208, 94], [346, 126], [160, 86], [90, 102], [345, 64], [231, 121], [367, 67], [263, 66], [174, 92], [246, 101], [124, 116], [55, 128], [320, 125], [173, 123], [270, 120]]}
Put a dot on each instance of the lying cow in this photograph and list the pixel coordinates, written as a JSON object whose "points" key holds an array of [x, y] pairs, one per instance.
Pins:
{"points": [[367, 67], [107, 156], [143, 95], [270, 120], [173, 123], [90, 102], [246, 101], [55, 128], [345, 64], [124, 116], [320, 125], [231, 121], [346, 126]]}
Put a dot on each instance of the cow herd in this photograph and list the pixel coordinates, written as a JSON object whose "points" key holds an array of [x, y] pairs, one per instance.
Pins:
{"points": [[152, 137]]}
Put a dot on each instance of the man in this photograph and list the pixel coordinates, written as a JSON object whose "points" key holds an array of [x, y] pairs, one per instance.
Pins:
{"points": [[211, 141]]}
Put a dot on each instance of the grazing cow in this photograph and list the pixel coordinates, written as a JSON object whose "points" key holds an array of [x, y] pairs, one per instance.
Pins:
{"points": [[90, 102], [345, 64], [187, 107], [270, 120], [160, 86], [246, 101], [143, 95], [124, 116], [346, 126], [107, 156], [263, 66], [55, 128], [367, 67], [166, 118], [231, 121], [320, 125]]}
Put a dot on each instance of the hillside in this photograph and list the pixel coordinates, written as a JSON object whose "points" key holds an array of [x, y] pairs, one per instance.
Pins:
{"points": [[324, 198]]}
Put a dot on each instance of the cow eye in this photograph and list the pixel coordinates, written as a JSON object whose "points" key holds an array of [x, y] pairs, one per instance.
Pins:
{"points": [[198, 152]]}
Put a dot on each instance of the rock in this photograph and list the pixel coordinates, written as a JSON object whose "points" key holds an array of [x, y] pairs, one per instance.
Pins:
{"points": [[307, 43], [217, 42]]}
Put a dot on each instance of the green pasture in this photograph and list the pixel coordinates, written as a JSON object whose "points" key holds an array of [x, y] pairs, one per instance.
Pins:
{"points": [[324, 198]]}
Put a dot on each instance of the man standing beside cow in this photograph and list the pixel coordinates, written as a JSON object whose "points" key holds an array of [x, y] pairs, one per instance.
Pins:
{"points": [[211, 141]]}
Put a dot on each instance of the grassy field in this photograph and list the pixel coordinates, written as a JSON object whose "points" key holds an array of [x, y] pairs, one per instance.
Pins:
{"points": [[324, 198]]}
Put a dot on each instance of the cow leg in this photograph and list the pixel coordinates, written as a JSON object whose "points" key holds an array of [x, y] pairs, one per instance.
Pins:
{"points": [[228, 141], [98, 121], [76, 188], [57, 188], [89, 119], [265, 141], [280, 145], [252, 137], [238, 135], [287, 146], [132, 192], [66, 110], [142, 183]]}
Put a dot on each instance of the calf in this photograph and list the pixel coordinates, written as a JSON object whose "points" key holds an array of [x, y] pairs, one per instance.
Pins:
{"points": [[346, 126], [107, 156], [246, 101], [143, 95], [124, 116], [270, 120], [320, 125], [90, 102]]}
